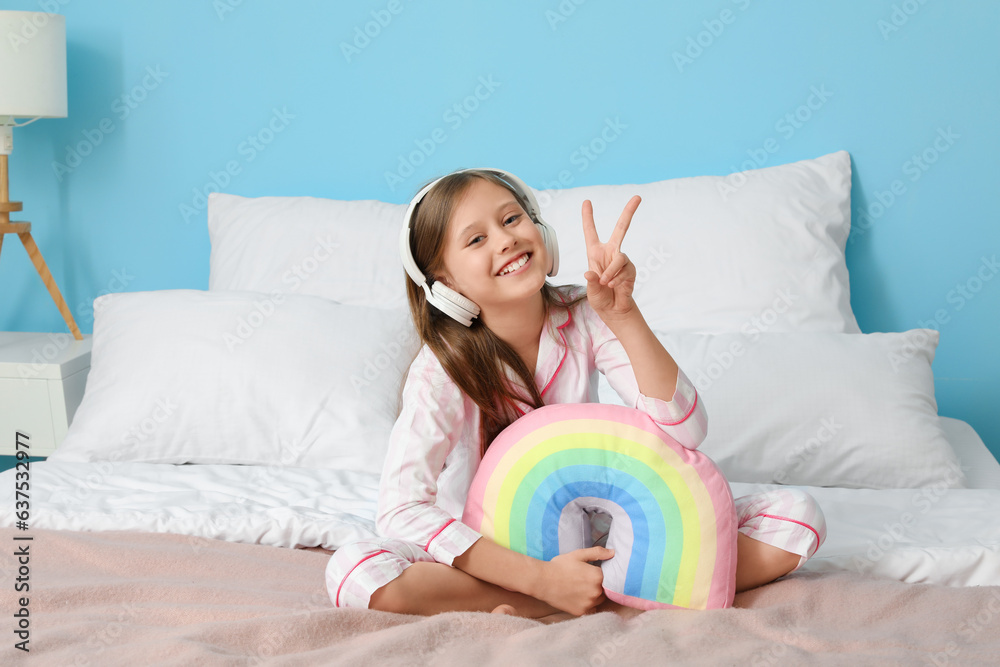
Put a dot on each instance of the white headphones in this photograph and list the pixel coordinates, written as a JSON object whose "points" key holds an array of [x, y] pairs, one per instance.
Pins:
{"points": [[439, 295]]}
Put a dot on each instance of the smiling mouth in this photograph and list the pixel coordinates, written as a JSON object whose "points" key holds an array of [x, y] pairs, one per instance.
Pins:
{"points": [[516, 264]]}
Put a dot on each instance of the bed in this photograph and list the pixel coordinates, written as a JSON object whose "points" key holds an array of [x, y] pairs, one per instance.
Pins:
{"points": [[189, 515]]}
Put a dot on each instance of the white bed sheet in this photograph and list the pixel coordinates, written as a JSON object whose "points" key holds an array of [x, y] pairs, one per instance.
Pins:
{"points": [[939, 536], [287, 507], [932, 536], [982, 471]]}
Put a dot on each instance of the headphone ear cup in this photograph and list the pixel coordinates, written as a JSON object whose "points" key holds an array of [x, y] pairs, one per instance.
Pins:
{"points": [[551, 245], [452, 303], [442, 290]]}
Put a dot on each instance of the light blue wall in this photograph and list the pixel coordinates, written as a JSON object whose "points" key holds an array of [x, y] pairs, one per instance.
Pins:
{"points": [[896, 74]]}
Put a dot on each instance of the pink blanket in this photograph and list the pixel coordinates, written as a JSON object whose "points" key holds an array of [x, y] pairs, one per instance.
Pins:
{"points": [[118, 598]]}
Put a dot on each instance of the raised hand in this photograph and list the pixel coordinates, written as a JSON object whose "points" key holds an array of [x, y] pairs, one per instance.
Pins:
{"points": [[611, 274]]}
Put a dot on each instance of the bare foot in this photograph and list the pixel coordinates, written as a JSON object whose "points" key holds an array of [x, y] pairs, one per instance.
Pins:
{"points": [[505, 609]]}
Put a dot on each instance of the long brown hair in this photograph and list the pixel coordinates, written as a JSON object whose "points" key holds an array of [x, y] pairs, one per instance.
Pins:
{"points": [[474, 357]]}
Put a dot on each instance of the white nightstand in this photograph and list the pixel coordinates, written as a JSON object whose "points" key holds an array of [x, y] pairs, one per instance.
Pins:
{"points": [[42, 377]]}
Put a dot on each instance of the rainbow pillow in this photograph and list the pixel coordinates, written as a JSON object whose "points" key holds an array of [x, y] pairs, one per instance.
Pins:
{"points": [[673, 521]]}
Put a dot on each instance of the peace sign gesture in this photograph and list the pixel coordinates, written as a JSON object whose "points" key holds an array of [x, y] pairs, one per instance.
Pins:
{"points": [[611, 277]]}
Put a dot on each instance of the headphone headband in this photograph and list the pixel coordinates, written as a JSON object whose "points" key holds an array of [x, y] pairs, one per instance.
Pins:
{"points": [[448, 301]]}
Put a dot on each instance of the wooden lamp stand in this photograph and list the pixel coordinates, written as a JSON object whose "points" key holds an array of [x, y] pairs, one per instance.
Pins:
{"points": [[23, 231]]}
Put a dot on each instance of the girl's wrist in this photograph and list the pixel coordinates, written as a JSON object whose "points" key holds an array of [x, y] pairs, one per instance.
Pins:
{"points": [[537, 578], [621, 321], [517, 572]]}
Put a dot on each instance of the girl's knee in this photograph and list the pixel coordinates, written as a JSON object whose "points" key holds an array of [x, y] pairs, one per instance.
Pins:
{"points": [[342, 564], [359, 569], [808, 511], [384, 598], [786, 517], [792, 503]]}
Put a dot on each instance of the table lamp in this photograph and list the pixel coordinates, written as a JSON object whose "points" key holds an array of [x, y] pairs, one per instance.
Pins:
{"points": [[32, 85]]}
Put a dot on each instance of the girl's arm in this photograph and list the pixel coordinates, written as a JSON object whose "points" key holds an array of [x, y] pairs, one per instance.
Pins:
{"points": [[566, 582], [427, 430], [610, 281], [655, 370], [681, 415]]}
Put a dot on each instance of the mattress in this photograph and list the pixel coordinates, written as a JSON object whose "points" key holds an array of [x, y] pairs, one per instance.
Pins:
{"points": [[941, 536]]}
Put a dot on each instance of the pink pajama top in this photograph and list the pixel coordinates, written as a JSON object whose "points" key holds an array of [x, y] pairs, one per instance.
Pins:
{"points": [[434, 446]]}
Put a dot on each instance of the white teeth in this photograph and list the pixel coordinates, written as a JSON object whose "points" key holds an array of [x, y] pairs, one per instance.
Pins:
{"points": [[515, 265]]}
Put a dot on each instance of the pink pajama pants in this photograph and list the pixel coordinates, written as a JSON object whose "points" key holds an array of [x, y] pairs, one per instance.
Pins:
{"points": [[787, 518]]}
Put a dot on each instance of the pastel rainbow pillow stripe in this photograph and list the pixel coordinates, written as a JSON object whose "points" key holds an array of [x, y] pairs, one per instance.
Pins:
{"points": [[673, 523]]}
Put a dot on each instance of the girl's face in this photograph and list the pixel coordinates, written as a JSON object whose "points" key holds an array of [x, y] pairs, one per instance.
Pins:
{"points": [[494, 253]]}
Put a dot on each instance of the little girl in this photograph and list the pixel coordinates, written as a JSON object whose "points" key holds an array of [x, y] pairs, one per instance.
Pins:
{"points": [[500, 341]]}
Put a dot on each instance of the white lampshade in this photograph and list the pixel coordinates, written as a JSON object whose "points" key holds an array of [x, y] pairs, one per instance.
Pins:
{"points": [[32, 65]]}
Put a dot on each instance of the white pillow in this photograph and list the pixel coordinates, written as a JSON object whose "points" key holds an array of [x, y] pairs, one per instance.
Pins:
{"points": [[819, 409], [182, 376], [347, 251], [760, 250]]}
